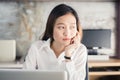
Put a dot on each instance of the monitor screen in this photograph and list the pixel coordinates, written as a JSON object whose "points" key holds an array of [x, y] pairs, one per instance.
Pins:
{"points": [[100, 38]]}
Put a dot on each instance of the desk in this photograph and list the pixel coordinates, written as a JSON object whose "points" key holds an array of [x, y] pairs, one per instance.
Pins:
{"points": [[110, 63], [102, 64], [11, 65]]}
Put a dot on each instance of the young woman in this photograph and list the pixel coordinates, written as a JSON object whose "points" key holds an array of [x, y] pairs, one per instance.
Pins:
{"points": [[60, 47]]}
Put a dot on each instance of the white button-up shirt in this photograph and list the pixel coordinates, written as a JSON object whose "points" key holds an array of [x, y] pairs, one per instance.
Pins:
{"points": [[42, 57]]}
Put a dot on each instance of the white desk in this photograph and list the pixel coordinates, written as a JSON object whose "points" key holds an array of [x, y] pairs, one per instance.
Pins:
{"points": [[11, 65]]}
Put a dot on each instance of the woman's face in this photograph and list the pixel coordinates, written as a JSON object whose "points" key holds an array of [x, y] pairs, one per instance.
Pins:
{"points": [[65, 29]]}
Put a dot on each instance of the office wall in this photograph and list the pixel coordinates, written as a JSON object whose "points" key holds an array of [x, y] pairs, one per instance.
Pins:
{"points": [[25, 22]]}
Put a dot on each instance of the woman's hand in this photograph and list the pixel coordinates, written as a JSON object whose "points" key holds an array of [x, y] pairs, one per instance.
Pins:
{"points": [[75, 42]]}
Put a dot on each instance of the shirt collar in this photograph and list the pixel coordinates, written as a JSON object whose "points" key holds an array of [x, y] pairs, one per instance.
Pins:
{"points": [[47, 43]]}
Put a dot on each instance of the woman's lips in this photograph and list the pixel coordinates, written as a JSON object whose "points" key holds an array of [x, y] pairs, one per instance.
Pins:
{"points": [[66, 39]]}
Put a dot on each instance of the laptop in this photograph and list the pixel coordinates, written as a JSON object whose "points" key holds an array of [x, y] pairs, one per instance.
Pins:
{"points": [[18, 74]]}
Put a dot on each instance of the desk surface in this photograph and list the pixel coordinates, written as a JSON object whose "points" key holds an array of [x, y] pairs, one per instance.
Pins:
{"points": [[109, 63], [11, 65], [104, 73]]}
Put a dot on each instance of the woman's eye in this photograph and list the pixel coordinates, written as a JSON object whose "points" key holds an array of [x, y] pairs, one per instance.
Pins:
{"points": [[61, 27], [72, 27]]}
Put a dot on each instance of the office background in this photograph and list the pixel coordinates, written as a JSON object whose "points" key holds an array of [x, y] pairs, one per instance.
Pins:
{"points": [[25, 21]]}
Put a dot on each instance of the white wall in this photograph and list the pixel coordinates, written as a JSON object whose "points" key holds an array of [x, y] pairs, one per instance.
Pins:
{"points": [[93, 15]]}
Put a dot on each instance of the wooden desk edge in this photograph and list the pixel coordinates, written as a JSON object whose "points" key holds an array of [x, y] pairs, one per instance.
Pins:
{"points": [[110, 63]]}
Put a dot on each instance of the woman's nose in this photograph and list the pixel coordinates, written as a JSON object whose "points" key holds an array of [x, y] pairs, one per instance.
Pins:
{"points": [[66, 32]]}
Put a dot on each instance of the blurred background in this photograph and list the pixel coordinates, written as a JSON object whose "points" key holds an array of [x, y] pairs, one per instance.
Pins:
{"points": [[24, 21]]}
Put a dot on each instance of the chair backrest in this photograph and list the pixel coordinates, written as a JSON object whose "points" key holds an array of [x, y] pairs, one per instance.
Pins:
{"points": [[7, 50], [87, 70]]}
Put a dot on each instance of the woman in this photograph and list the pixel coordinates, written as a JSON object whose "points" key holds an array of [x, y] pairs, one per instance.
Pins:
{"points": [[60, 47]]}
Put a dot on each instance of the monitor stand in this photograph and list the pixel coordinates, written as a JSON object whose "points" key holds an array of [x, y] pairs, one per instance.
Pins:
{"points": [[93, 55], [92, 52]]}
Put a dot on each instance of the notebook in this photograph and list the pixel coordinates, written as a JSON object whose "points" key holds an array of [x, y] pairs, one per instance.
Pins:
{"points": [[18, 74]]}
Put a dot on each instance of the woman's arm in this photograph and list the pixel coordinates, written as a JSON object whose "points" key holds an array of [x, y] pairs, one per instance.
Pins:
{"points": [[76, 68]]}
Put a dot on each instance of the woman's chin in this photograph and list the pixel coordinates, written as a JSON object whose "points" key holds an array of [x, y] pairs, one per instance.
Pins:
{"points": [[67, 43]]}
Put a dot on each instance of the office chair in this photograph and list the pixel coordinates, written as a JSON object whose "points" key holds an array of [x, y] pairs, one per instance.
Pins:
{"points": [[87, 70]]}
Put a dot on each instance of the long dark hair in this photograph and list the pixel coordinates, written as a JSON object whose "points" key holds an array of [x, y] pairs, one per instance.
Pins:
{"points": [[58, 11]]}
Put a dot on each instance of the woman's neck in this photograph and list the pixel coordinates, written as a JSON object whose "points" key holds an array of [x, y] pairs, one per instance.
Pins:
{"points": [[57, 48]]}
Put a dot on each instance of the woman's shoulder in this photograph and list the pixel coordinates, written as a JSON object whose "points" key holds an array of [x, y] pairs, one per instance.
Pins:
{"points": [[82, 50], [82, 46], [39, 43]]}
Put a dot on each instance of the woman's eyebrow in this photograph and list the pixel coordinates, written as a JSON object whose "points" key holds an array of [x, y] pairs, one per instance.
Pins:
{"points": [[73, 23], [60, 23], [63, 23]]}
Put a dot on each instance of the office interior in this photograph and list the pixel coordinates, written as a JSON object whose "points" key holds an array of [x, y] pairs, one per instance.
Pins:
{"points": [[24, 21]]}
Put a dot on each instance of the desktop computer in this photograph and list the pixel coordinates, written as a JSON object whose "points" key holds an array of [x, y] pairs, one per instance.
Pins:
{"points": [[95, 39]]}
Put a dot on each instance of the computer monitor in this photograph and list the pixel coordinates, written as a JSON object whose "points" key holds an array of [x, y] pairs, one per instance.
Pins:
{"points": [[95, 39]]}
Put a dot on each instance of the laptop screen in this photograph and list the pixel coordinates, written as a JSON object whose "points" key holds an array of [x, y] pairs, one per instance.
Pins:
{"points": [[17, 74]]}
